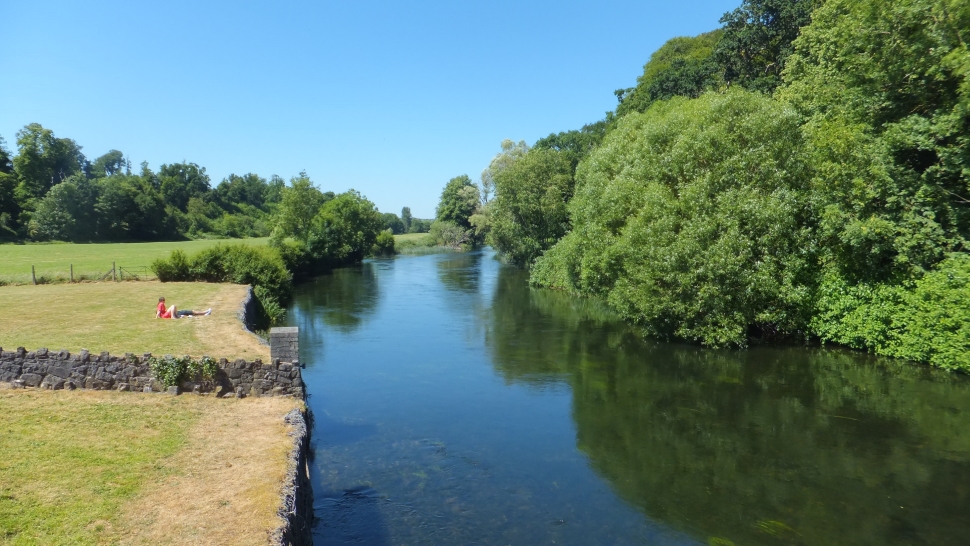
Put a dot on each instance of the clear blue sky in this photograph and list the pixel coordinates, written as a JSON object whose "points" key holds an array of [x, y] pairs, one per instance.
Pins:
{"points": [[392, 99]]}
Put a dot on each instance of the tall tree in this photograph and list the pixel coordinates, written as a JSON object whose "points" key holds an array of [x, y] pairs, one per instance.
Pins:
{"points": [[406, 219], [528, 214], [459, 200], [758, 39], [180, 182], [300, 203], [42, 161], [113, 162], [511, 152], [683, 66]]}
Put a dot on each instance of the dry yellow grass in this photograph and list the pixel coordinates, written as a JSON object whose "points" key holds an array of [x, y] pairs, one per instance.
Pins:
{"points": [[119, 318], [96, 467], [224, 486]]}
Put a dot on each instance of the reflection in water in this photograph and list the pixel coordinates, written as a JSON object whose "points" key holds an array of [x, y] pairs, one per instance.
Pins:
{"points": [[343, 298], [456, 405], [765, 446]]}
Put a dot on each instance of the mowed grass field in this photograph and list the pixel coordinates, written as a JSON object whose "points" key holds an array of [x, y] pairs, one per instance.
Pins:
{"points": [[96, 467], [120, 317], [54, 260], [410, 237]]}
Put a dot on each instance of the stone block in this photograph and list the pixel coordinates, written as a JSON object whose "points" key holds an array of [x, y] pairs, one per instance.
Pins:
{"points": [[52, 382], [31, 379], [42, 353], [61, 372]]}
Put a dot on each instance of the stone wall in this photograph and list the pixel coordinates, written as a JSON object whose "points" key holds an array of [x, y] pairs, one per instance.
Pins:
{"points": [[84, 370], [297, 502]]}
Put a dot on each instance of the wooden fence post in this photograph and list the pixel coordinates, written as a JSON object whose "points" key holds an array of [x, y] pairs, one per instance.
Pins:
{"points": [[114, 272], [72, 272], [33, 274]]}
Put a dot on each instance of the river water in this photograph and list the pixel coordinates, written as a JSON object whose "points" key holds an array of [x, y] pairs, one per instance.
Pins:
{"points": [[455, 405]]}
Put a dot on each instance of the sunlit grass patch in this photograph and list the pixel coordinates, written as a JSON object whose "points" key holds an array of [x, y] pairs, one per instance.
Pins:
{"points": [[95, 467], [120, 317], [68, 461]]}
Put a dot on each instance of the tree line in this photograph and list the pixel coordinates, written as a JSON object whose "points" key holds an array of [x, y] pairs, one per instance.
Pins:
{"points": [[49, 191], [801, 172]]}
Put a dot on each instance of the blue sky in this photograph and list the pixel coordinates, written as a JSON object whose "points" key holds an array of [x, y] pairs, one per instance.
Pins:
{"points": [[392, 99]]}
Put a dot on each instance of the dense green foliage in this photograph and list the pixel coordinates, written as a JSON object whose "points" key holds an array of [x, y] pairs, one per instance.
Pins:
{"points": [[690, 219], [173, 371], [459, 199], [528, 214], [831, 199]]}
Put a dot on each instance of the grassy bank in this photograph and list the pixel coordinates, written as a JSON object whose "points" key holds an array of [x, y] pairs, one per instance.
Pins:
{"points": [[53, 261], [120, 317], [91, 467]]}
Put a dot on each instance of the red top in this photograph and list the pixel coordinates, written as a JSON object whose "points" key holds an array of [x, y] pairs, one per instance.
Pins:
{"points": [[162, 312]]}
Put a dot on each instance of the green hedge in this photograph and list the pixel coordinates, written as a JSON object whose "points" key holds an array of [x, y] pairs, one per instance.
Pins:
{"points": [[261, 267]]}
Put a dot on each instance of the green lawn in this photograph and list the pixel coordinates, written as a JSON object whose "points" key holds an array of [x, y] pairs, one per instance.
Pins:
{"points": [[69, 462], [119, 317], [54, 260], [410, 237]]}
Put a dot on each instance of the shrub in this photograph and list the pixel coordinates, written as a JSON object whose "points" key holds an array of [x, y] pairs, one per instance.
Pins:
{"points": [[927, 320], [174, 269], [384, 246], [173, 371]]}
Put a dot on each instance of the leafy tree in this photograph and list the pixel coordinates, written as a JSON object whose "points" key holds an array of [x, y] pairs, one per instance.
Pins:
{"points": [[300, 203], [54, 217], [459, 200], [683, 66], [346, 228], [113, 162], [42, 161], [235, 190], [576, 145], [274, 190], [180, 182], [757, 41], [406, 219], [511, 152], [887, 115], [6, 165], [528, 214], [693, 220], [129, 208], [392, 222]]}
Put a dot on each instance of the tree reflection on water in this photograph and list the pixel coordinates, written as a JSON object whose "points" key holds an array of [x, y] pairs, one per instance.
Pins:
{"points": [[764, 446]]}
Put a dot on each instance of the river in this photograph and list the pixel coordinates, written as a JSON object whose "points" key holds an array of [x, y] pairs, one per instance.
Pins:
{"points": [[453, 404]]}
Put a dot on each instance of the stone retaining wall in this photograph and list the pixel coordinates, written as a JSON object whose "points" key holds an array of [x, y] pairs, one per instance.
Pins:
{"points": [[297, 506], [84, 370]]}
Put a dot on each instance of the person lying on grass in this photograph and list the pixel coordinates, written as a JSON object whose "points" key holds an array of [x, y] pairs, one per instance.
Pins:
{"points": [[173, 313]]}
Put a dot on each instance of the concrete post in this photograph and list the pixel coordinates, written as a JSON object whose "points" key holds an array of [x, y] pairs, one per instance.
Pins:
{"points": [[284, 344]]}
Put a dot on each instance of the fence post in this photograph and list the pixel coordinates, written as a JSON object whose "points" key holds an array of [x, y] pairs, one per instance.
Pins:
{"points": [[114, 272], [72, 272], [33, 274]]}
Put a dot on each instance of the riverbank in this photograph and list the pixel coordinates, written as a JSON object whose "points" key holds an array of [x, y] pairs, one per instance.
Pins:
{"points": [[96, 467]]}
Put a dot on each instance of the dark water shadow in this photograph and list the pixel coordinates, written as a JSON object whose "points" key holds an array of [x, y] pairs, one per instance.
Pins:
{"points": [[351, 516]]}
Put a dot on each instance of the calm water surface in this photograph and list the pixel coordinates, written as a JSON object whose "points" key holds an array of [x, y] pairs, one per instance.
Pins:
{"points": [[455, 405]]}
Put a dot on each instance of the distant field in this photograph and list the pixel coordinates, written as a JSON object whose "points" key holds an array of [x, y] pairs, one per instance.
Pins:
{"points": [[410, 237], [54, 260]]}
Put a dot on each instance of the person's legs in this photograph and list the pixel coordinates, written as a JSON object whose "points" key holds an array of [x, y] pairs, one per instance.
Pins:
{"points": [[172, 312]]}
